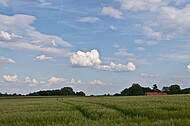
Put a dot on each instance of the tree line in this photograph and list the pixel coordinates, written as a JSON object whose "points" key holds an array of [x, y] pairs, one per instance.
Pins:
{"points": [[136, 89], [66, 91]]}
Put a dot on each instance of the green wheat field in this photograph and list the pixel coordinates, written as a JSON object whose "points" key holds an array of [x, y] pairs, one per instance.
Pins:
{"points": [[171, 110]]}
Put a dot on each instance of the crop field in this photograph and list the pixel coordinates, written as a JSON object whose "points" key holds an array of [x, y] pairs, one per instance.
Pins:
{"points": [[171, 110]]}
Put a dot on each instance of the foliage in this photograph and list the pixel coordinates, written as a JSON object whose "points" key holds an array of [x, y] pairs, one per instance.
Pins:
{"points": [[175, 89], [165, 89], [64, 92], [80, 93], [134, 90]]}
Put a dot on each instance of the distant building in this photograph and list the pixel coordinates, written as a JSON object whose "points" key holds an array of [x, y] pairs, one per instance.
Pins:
{"points": [[155, 93]]}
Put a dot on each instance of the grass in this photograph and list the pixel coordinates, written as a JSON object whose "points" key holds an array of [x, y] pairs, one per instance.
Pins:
{"points": [[171, 110]]}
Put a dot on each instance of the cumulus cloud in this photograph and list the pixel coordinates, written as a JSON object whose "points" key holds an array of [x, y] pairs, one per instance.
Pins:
{"points": [[112, 27], [140, 48], [73, 81], [151, 33], [112, 12], [89, 19], [118, 67], [8, 37], [29, 39], [98, 82], [188, 67], [44, 2], [6, 60], [143, 5], [27, 80], [170, 22], [56, 80], [4, 2], [91, 59], [9, 78], [86, 59], [43, 58], [34, 82], [123, 52]]}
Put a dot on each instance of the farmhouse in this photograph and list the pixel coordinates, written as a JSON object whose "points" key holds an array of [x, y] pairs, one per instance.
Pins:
{"points": [[155, 93]]}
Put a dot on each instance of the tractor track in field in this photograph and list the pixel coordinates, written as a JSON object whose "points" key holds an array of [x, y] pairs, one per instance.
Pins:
{"points": [[85, 113], [124, 112]]}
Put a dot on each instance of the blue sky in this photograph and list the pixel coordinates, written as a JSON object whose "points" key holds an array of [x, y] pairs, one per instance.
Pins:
{"points": [[97, 46]]}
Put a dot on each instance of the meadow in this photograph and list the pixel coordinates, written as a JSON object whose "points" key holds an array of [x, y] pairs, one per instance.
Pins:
{"points": [[171, 110]]}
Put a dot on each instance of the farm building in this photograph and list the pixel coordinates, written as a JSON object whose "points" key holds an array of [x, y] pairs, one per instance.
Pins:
{"points": [[155, 93]]}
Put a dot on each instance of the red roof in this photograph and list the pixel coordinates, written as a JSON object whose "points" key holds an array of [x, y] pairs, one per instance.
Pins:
{"points": [[155, 93]]}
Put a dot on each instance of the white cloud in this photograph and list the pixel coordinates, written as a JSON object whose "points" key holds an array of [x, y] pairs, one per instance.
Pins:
{"points": [[138, 41], [73, 81], [144, 74], [112, 12], [147, 75], [44, 2], [87, 59], [6, 60], [42, 82], [170, 22], [151, 33], [43, 58], [8, 37], [89, 19], [56, 80], [98, 82], [27, 80], [4, 2], [123, 52], [37, 48], [118, 67], [143, 5], [188, 67], [151, 43], [31, 39], [34, 83], [112, 27], [9, 78], [91, 59], [140, 48]]}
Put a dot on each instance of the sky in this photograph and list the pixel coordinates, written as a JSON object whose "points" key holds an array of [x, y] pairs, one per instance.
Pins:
{"points": [[95, 46]]}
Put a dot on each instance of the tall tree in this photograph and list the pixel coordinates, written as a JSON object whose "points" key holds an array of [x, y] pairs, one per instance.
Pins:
{"points": [[175, 89], [155, 87]]}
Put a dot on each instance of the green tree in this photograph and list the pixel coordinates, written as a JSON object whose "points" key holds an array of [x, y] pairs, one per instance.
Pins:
{"points": [[67, 91], [175, 89], [125, 92], [135, 90], [165, 89], [80, 93]]}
